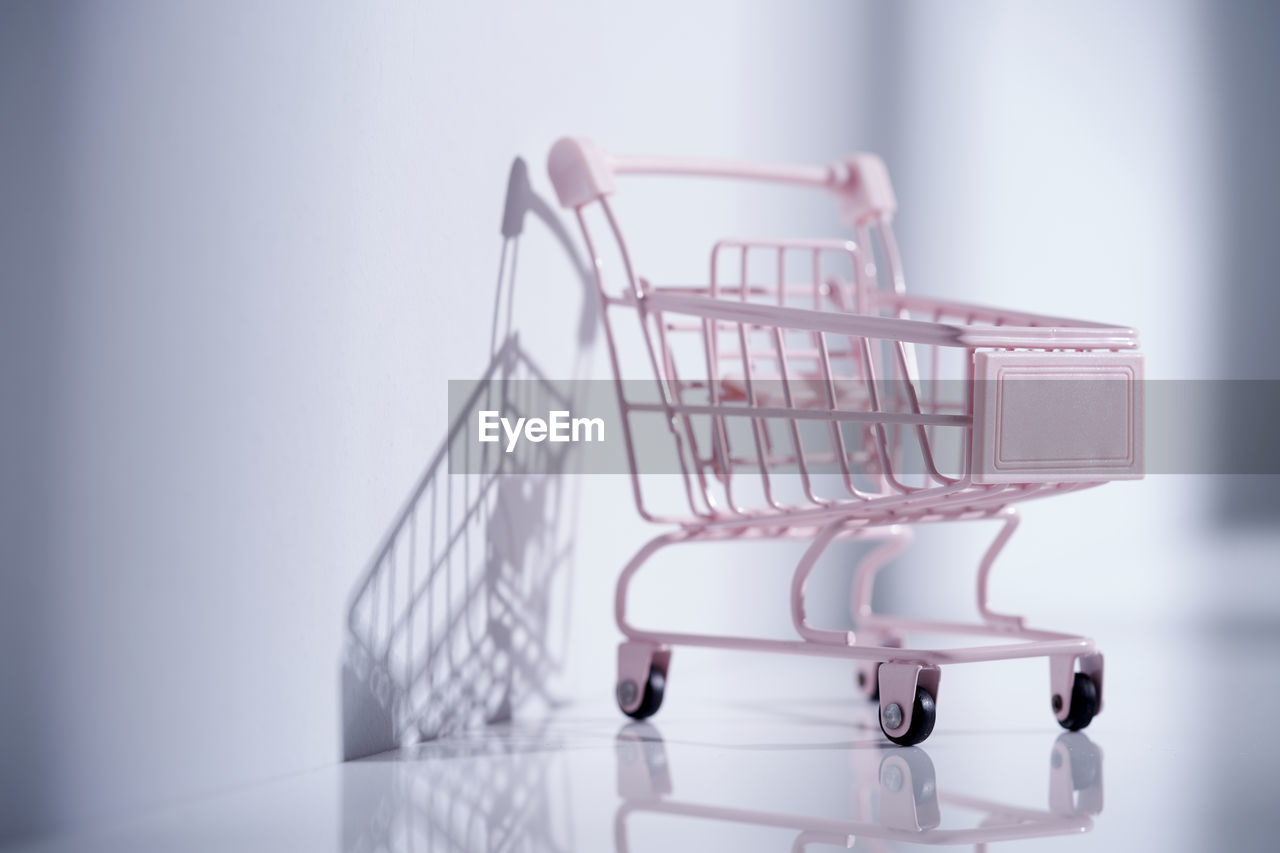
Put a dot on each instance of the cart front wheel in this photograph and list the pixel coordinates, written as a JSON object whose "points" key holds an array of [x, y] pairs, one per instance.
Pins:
{"points": [[650, 701], [923, 714], [1084, 703]]}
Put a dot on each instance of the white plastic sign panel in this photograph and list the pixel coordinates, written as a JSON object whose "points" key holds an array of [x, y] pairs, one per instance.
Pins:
{"points": [[1057, 417]]}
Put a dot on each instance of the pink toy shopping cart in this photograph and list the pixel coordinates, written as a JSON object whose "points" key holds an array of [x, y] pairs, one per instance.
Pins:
{"points": [[807, 396]]}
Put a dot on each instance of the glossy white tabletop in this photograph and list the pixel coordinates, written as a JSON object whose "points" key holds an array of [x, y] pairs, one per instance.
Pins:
{"points": [[1168, 765]]}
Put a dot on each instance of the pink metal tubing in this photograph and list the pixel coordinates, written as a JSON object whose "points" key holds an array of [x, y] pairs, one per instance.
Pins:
{"points": [[847, 247], [597, 266], [893, 328], [950, 503], [624, 580], [808, 320], [801, 577], [1040, 644], [897, 538], [864, 577], [882, 622], [1001, 620], [780, 346], [813, 176], [984, 313], [1038, 337], [806, 414]]}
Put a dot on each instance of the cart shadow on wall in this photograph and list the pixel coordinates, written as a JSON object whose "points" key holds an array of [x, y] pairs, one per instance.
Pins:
{"points": [[460, 616]]}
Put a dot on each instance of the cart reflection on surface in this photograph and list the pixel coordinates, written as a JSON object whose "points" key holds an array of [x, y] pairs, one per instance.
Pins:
{"points": [[896, 798], [492, 791], [545, 787]]}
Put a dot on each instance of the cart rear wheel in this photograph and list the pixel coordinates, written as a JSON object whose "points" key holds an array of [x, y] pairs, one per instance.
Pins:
{"points": [[650, 701], [1084, 703], [923, 714]]}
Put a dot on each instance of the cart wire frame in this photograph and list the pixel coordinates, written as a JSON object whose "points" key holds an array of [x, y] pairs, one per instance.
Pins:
{"points": [[800, 385]]}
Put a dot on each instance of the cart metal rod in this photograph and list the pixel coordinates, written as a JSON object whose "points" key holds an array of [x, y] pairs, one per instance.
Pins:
{"points": [[797, 413], [886, 621], [814, 176], [1063, 645], [1045, 337], [910, 302], [806, 319]]}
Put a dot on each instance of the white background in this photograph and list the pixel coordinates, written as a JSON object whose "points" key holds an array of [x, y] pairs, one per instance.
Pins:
{"points": [[250, 244]]}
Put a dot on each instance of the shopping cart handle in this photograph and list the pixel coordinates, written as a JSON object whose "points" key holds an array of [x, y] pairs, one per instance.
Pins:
{"points": [[582, 173]]}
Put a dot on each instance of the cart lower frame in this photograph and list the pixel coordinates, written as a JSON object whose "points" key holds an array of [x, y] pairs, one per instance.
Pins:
{"points": [[888, 671]]}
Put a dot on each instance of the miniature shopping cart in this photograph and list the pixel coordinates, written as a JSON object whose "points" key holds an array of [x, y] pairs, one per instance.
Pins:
{"points": [[807, 396]]}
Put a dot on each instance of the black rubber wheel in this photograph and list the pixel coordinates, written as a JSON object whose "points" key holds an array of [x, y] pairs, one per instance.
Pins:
{"points": [[923, 715], [651, 700], [1084, 703]]}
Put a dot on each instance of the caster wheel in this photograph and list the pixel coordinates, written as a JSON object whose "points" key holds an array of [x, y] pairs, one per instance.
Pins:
{"points": [[1084, 703], [650, 701], [923, 715]]}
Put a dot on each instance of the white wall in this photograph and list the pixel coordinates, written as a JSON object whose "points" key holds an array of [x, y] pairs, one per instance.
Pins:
{"points": [[276, 239], [1057, 157]]}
